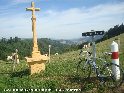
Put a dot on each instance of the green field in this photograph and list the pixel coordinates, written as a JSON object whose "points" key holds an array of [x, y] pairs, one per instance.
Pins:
{"points": [[60, 74]]}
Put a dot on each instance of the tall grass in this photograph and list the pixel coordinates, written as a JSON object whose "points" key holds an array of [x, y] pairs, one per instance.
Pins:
{"points": [[60, 73]]}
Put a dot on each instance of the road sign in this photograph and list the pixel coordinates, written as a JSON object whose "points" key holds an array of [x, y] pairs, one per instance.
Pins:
{"points": [[93, 33]]}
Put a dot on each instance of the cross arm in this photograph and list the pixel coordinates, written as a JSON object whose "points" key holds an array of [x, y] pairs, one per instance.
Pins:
{"points": [[37, 9], [29, 9]]}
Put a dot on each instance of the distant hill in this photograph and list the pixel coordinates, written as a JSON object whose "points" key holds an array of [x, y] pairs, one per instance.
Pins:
{"points": [[24, 46], [79, 41], [71, 41]]}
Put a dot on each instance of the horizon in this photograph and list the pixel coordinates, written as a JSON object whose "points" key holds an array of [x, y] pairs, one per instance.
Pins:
{"points": [[59, 19], [41, 38]]}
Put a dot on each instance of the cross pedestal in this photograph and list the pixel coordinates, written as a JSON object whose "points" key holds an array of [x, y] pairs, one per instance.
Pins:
{"points": [[36, 65], [37, 61]]}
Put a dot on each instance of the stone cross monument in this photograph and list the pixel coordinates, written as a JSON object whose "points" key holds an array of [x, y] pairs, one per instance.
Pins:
{"points": [[37, 62], [35, 46]]}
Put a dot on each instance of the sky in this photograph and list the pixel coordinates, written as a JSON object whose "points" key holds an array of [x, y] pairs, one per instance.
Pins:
{"points": [[59, 19]]}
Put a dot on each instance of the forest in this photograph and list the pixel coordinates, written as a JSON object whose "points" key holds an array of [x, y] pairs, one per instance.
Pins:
{"points": [[24, 46]]}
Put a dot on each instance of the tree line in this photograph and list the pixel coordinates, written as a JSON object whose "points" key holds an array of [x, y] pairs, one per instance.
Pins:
{"points": [[112, 32], [24, 46]]}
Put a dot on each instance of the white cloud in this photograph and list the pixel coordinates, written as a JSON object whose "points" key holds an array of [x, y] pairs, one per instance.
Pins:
{"points": [[65, 24], [71, 23]]}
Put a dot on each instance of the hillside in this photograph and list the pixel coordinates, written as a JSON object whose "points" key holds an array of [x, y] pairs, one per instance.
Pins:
{"points": [[60, 74], [105, 45]]}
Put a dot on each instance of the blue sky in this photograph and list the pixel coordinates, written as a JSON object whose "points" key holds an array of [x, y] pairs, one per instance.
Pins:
{"points": [[59, 19]]}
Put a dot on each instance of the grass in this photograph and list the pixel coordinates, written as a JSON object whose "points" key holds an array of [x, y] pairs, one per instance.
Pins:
{"points": [[60, 74]]}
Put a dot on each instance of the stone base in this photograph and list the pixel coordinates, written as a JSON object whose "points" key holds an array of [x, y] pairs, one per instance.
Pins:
{"points": [[36, 65]]}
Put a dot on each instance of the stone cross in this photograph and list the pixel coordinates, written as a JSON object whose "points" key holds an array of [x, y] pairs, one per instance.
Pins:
{"points": [[33, 9], [37, 61]]}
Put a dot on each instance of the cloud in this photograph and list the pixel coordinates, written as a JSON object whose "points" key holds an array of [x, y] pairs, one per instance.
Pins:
{"points": [[66, 24], [72, 22], [77, 15]]}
